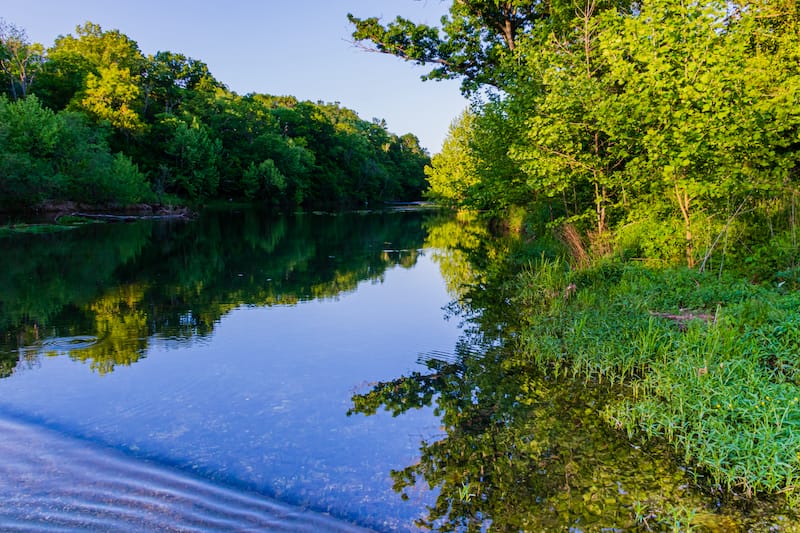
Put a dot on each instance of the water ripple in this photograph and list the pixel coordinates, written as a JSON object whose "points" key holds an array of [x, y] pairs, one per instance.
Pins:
{"points": [[67, 344], [50, 482]]}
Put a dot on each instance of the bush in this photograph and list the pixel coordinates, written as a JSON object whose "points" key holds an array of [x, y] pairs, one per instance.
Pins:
{"points": [[49, 156]]}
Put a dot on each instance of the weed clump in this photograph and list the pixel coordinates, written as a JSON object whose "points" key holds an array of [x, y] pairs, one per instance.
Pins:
{"points": [[712, 363]]}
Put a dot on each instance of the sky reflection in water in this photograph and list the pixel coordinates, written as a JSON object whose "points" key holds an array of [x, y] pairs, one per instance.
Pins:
{"points": [[260, 403]]}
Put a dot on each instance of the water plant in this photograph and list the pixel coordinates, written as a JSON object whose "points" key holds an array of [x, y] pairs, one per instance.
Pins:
{"points": [[464, 493], [710, 362], [677, 518]]}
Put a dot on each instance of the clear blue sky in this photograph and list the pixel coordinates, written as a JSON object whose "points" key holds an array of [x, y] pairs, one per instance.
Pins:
{"points": [[300, 48]]}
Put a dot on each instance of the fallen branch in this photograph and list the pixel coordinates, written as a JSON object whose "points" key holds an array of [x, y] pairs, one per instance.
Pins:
{"points": [[128, 218], [684, 317]]}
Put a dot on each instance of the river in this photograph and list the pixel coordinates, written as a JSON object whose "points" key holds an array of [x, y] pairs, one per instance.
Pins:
{"points": [[309, 372]]}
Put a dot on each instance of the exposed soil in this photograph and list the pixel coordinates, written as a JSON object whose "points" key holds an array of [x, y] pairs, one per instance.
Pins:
{"points": [[55, 210]]}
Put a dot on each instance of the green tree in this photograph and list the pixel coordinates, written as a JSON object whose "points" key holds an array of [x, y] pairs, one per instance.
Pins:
{"points": [[452, 173], [408, 161], [112, 95], [264, 182], [29, 139], [60, 156], [171, 120], [699, 101], [73, 57], [476, 43], [617, 118], [169, 79], [20, 60], [195, 155], [93, 174], [564, 147], [291, 159]]}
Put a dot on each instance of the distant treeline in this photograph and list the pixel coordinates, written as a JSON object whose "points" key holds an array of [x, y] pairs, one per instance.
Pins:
{"points": [[92, 119]]}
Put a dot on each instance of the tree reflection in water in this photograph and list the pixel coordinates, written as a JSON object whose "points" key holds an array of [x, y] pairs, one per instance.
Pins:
{"points": [[123, 285], [522, 449]]}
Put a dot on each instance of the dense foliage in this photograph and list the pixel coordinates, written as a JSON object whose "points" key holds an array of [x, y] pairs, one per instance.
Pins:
{"points": [[92, 119], [663, 131], [667, 130]]}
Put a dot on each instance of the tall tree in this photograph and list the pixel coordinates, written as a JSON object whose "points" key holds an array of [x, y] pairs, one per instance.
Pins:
{"points": [[452, 174], [196, 154], [563, 147], [73, 57], [20, 60], [112, 95], [168, 80], [477, 41], [698, 96]]}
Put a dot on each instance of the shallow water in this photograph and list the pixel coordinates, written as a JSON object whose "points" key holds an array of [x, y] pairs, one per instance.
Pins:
{"points": [[52, 482]]}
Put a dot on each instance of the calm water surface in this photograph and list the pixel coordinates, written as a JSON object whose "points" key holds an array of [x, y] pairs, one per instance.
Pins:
{"points": [[225, 350], [307, 373]]}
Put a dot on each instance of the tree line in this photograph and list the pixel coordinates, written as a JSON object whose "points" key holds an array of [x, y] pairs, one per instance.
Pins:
{"points": [[660, 129], [93, 119]]}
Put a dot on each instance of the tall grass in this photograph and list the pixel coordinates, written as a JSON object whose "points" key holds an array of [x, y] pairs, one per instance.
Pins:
{"points": [[713, 364]]}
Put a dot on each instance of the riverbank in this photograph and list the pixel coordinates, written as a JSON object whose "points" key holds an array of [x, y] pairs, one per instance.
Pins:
{"points": [[59, 209], [711, 362], [60, 216]]}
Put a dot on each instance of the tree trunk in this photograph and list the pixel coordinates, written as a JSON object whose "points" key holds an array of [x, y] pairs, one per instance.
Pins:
{"points": [[600, 207], [684, 202]]}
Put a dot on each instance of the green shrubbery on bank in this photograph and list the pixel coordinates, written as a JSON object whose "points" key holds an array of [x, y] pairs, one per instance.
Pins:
{"points": [[711, 362], [59, 156]]}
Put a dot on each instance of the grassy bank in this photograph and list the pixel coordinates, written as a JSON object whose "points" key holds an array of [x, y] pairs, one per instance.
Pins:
{"points": [[713, 363]]}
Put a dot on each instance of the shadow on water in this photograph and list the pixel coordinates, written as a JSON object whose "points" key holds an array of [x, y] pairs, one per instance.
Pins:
{"points": [[522, 449]]}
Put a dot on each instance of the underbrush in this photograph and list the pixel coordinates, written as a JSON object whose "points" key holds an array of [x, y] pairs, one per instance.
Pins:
{"points": [[713, 364]]}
